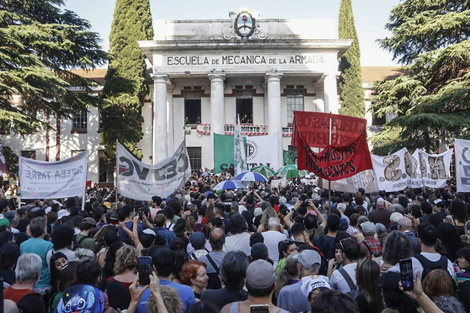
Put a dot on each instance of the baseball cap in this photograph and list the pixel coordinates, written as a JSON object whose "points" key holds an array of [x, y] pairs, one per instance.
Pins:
{"points": [[313, 282], [4, 222], [395, 216], [89, 220], [149, 231], [62, 213], [197, 239], [308, 258], [368, 228], [260, 274]]}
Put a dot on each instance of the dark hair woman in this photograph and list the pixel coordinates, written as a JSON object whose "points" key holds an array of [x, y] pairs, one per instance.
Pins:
{"points": [[367, 277]]}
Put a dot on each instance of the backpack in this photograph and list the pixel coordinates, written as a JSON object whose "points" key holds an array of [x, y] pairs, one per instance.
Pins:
{"points": [[77, 244], [354, 292], [428, 266], [81, 298], [328, 251]]}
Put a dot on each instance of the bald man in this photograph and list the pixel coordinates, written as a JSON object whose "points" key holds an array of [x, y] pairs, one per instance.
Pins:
{"points": [[404, 225], [214, 258]]}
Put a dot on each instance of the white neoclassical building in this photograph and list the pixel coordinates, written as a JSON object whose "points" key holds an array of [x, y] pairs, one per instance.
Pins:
{"points": [[205, 72]]}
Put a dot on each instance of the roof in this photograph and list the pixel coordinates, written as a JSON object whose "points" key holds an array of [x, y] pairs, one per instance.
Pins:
{"points": [[371, 74], [95, 74]]}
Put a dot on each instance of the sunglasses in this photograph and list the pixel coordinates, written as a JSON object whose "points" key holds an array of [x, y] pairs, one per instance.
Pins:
{"points": [[344, 240]]}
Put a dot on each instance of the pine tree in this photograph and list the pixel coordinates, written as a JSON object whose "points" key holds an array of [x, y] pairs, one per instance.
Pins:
{"points": [[431, 101], [39, 44], [127, 78], [352, 92]]}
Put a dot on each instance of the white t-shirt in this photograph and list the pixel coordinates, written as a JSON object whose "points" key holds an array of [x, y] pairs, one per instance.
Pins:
{"points": [[417, 267], [238, 242], [271, 240]]}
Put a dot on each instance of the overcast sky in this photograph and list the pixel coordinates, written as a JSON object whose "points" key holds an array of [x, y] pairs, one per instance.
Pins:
{"points": [[370, 16]]}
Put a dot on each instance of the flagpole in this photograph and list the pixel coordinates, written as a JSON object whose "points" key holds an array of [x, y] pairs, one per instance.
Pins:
{"points": [[329, 144], [19, 184], [184, 172], [117, 173]]}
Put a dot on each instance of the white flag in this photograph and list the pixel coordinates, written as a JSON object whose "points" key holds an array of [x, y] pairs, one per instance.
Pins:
{"points": [[3, 164], [462, 164], [239, 150], [140, 181], [50, 180]]}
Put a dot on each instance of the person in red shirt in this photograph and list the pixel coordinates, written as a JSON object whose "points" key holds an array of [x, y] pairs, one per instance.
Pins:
{"points": [[27, 272]]}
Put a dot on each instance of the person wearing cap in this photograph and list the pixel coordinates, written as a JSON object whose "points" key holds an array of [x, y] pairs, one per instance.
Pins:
{"points": [[83, 239], [292, 297], [370, 245], [260, 282], [198, 241], [380, 214]]}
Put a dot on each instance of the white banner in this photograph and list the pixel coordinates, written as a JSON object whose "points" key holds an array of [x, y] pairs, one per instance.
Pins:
{"points": [[364, 179], [434, 168], [462, 164], [401, 170], [390, 171], [140, 181], [50, 180], [263, 150]]}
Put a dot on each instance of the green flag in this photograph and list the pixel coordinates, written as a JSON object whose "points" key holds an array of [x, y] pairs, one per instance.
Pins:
{"points": [[223, 153]]}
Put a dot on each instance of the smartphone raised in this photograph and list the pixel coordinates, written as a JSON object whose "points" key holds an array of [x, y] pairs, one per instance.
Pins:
{"points": [[406, 274], [144, 268], [259, 308]]}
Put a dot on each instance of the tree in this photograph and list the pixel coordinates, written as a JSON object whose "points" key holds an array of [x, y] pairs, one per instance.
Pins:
{"points": [[352, 94], [431, 100], [127, 78], [39, 44]]}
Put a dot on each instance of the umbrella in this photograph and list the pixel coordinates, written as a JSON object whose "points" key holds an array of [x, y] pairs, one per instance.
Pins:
{"points": [[229, 184], [263, 170], [250, 176], [288, 171]]}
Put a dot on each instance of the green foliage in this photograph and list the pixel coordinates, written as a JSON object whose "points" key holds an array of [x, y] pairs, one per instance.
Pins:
{"points": [[127, 78], [352, 94], [432, 97], [11, 160], [39, 44]]}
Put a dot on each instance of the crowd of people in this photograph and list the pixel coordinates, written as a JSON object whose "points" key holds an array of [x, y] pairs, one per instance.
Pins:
{"points": [[293, 248]]}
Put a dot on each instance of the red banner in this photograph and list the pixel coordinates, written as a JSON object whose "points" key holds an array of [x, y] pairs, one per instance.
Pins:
{"points": [[347, 155], [315, 129]]}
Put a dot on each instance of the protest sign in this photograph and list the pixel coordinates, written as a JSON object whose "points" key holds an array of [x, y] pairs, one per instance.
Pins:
{"points": [[50, 180], [140, 181], [401, 170], [365, 179], [462, 164], [259, 151]]}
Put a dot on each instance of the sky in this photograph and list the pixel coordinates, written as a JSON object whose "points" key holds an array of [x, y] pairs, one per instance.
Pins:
{"points": [[370, 16]]}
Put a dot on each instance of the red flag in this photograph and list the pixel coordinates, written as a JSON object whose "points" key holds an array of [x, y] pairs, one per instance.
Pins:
{"points": [[347, 155], [315, 128], [3, 165]]}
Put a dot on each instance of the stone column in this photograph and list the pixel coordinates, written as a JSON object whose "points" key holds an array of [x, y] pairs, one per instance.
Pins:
{"points": [[274, 102], [217, 103], [274, 108], [160, 135], [330, 93]]}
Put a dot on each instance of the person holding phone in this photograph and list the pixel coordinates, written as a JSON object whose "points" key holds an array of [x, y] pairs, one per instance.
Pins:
{"points": [[260, 282]]}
